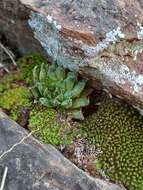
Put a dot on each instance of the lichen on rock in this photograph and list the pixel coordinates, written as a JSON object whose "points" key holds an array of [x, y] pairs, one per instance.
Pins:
{"points": [[118, 131]]}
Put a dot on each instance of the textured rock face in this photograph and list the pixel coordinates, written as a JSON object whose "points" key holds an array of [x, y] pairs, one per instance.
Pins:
{"points": [[32, 165], [14, 27], [100, 39]]}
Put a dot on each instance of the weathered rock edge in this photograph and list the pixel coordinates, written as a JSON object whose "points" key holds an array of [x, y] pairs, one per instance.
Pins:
{"points": [[102, 40], [32, 165]]}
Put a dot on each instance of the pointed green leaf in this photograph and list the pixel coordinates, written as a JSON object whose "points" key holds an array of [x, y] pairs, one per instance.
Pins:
{"points": [[40, 88], [67, 104], [47, 93], [35, 92], [70, 80], [76, 90], [76, 114], [36, 74], [55, 103], [52, 67], [43, 73], [45, 102], [73, 75], [61, 86], [80, 102], [52, 76], [60, 97], [60, 73]]}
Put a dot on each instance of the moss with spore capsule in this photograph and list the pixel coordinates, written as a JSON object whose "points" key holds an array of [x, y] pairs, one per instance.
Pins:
{"points": [[118, 131]]}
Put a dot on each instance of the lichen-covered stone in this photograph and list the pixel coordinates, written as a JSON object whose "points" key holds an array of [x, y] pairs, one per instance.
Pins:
{"points": [[118, 132]]}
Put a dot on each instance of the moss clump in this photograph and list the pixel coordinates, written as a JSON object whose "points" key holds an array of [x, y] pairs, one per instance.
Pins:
{"points": [[50, 129], [26, 65], [9, 81], [118, 131], [15, 99]]}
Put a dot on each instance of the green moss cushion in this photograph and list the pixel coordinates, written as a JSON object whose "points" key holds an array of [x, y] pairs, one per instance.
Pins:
{"points": [[15, 99], [26, 65], [50, 129], [118, 132]]}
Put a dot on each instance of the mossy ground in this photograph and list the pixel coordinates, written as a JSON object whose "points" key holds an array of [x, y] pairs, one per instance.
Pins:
{"points": [[14, 99], [26, 65], [114, 128], [118, 131], [51, 129], [14, 93], [9, 81]]}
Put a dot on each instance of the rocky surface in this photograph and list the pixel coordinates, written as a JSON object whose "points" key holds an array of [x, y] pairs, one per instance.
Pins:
{"points": [[102, 40], [32, 165], [14, 27]]}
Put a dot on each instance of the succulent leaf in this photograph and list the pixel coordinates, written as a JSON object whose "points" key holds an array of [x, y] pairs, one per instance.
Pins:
{"points": [[67, 104], [69, 83], [60, 97], [45, 102], [35, 92], [60, 73], [78, 88], [72, 74], [47, 93], [36, 74], [40, 88], [52, 67], [76, 114], [43, 73], [80, 102]]}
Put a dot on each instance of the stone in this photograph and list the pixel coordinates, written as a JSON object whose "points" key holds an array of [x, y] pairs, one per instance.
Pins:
{"points": [[14, 28], [102, 40], [35, 166]]}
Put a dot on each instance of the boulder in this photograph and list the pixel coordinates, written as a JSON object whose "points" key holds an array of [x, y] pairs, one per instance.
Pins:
{"points": [[102, 40], [35, 166]]}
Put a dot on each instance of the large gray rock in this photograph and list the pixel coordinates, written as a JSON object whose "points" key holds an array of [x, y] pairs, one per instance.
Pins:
{"points": [[34, 166], [103, 40]]}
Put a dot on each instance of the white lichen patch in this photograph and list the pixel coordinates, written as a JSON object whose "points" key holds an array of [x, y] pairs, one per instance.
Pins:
{"points": [[46, 32], [140, 31], [111, 37], [117, 72], [54, 22]]}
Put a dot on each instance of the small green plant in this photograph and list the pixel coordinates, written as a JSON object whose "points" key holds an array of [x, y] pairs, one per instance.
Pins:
{"points": [[97, 165], [56, 88]]}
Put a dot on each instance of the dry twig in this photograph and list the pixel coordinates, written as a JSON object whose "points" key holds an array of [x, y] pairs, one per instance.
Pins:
{"points": [[8, 53], [4, 178]]}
